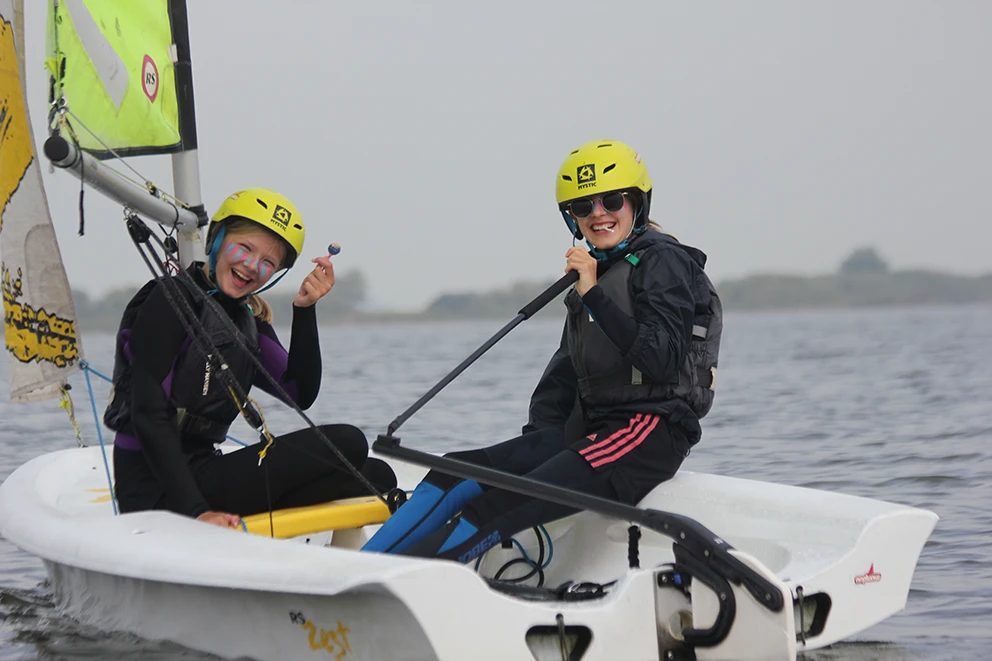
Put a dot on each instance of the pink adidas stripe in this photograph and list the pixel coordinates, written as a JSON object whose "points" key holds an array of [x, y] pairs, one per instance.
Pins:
{"points": [[629, 446], [621, 441], [613, 436]]}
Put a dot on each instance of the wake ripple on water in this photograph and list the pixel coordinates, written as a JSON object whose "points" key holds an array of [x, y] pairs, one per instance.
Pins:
{"points": [[31, 627]]}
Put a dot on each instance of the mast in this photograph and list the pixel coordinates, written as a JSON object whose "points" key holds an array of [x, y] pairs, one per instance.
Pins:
{"points": [[186, 163]]}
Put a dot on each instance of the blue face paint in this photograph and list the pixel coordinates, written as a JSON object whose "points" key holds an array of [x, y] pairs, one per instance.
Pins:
{"points": [[243, 256]]}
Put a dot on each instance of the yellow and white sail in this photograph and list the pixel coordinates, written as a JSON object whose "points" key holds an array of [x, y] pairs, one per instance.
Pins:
{"points": [[121, 84], [112, 65], [39, 318]]}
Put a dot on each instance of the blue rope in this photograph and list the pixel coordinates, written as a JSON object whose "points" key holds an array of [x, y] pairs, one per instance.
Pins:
{"points": [[551, 546], [551, 550], [86, 366], [99, 432], [526, 557]]}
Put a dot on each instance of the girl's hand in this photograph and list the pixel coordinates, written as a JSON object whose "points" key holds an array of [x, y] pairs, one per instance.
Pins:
{"points": [[579, 259], [222, 519], [317, 283]]}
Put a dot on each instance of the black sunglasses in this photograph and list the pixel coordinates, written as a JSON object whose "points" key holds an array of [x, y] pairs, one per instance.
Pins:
{"points": [[612, 202]]}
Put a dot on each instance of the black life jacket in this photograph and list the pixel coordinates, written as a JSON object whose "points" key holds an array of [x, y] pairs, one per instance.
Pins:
{"points": [[607, 379], [204, 407]]}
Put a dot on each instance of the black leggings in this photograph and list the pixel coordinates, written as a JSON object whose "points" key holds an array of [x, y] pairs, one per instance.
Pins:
{"points": [[298, 470], [498, 514], [622, 459]]}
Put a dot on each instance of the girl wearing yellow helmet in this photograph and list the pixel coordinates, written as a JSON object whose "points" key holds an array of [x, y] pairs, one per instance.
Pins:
{"points": [[169, 409], [638, 354]]}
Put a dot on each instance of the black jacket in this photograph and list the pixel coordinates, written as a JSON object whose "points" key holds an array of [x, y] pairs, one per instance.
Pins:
{"points": [[669, 291], [165, 373]]}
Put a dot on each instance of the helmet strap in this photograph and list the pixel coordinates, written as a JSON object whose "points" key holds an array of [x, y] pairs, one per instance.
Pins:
{"points": [[254, 293], [572, 226], [270, 285], [214, 251]]}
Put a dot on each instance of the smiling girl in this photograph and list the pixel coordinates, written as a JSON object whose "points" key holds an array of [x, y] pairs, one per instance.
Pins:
{"points": [[170, 412], [638, 353]]}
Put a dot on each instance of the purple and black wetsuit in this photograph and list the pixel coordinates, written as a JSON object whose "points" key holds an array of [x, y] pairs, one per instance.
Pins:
{"points": [[161, 462]]}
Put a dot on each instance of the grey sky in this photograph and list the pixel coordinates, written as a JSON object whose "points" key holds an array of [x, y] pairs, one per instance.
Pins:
{"points": [[425, 137]]}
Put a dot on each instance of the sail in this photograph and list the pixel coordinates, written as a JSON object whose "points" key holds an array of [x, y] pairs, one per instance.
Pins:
{"points": [[113, 65], [39, 318]]}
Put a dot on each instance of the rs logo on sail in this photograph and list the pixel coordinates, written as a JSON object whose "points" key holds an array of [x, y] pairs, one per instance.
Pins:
{"points": [[149, 78]]}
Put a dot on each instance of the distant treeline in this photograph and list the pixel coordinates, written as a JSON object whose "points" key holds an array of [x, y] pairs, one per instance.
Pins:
{"points": [[765, 292], [863, 280]]}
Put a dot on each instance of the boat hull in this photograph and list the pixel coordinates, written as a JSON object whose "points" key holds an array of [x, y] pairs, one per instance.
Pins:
{"points": [[234, 594]]}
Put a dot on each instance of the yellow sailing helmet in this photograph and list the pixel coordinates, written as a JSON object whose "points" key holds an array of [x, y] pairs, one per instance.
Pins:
{"points": [[599, 167], [269, 209]]}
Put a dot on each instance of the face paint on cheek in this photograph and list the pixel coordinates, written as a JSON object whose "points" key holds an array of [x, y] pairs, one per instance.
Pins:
{"points": [[246, 260], [265, 270]]}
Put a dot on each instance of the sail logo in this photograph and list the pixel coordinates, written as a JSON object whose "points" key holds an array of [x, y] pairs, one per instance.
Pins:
{"points": [[871, 577], [586, 175], [149, 78], [16, 152], [35, 335], [282, 215]]}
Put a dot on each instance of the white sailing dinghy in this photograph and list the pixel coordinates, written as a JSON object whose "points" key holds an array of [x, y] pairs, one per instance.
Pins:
{"points": [[707, 567]]}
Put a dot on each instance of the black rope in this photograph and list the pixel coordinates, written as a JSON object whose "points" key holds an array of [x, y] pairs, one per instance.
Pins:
{"points": [[194, 323], [215, 307], [171, 247], [283, 395], [140, 234], [82, 178], [536, 567]]}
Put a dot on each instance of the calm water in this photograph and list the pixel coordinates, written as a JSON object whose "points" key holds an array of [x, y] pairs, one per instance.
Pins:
{"points": [[893, 404]]}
